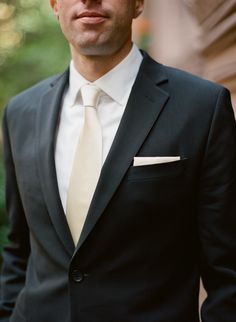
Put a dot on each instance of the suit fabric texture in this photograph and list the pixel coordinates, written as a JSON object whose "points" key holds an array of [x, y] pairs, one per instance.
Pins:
{"points": [[151, 231]]}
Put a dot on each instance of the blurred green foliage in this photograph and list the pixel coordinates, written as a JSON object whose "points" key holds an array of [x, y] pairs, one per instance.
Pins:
{"points": [[39, 51], [31, 48]]}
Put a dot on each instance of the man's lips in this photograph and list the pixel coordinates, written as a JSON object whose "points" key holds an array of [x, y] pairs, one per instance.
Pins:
{"points": [[91, 17]]}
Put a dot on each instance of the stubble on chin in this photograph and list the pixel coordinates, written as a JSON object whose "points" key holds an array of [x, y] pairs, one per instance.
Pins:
{"points": [[93, 45]]}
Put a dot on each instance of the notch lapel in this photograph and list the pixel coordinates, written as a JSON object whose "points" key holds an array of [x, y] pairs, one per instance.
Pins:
{"points": [[144, 106], [47, 124]]}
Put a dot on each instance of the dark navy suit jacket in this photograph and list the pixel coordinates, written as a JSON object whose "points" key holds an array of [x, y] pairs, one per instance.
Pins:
{"points": [[151, 231]]}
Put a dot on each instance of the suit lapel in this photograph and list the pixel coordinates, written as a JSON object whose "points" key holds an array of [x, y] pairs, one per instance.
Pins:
{"points": [[144, 106], [47, 123]]}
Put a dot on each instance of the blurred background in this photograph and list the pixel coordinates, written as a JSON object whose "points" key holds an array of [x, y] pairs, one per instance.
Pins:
{"points": [[195, 35]]}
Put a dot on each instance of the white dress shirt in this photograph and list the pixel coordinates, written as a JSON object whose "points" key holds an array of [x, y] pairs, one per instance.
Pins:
{"points": [[116, 86]]}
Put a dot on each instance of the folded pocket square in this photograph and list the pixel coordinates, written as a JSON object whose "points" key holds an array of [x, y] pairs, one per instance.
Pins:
{"points": [[140, 161]]}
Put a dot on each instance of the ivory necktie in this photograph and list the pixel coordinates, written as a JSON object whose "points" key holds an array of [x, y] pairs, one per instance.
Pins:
{"points": [[87, 163]]}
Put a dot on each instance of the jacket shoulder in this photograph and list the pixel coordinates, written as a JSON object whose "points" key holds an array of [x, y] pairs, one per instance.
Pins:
{"points": [[184, 78], [33, 93], [177, 79]]}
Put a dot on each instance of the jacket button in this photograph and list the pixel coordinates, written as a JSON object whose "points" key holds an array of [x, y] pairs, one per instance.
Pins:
{"points": [[77, 276]]}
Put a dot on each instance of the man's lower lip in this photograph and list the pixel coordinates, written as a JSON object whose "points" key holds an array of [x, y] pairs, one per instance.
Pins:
{"points": [[92, 20]]}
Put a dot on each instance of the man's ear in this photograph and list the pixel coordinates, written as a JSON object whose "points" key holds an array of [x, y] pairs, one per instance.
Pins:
{"points": [[54, 6], [139, 8]]}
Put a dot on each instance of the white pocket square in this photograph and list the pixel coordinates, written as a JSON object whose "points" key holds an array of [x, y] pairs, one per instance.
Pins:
{"points": [[140, 161]]}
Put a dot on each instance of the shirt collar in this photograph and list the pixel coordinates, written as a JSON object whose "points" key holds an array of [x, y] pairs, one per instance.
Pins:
{"points": [[124, 75], [76, 81]]}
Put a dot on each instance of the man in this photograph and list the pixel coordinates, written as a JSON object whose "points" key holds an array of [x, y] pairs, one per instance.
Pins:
{"points": [[159, 213]]}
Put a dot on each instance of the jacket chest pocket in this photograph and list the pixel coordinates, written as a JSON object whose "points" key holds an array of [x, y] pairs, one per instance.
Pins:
{"points": [[156, 172], [155, 190]]}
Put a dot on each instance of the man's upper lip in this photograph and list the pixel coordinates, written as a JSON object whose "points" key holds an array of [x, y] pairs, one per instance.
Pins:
{"points": [[91, 14]]}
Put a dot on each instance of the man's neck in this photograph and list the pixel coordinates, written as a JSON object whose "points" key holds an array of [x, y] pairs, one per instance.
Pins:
{"points": [[94, 67]]}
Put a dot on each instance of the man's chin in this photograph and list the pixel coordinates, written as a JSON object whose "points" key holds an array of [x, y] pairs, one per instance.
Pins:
{"points": [[94, 49]]}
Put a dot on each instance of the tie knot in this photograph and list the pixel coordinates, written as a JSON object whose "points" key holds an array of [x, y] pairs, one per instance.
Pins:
{"points": [[90, 95]]}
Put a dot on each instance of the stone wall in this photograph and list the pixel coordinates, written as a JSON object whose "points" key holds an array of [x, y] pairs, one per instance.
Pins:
{"points": [[196, 35]]}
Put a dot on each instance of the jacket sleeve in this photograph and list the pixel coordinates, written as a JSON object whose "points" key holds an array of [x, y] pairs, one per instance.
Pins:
{"points": [[15, 254], [217, 215]]}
